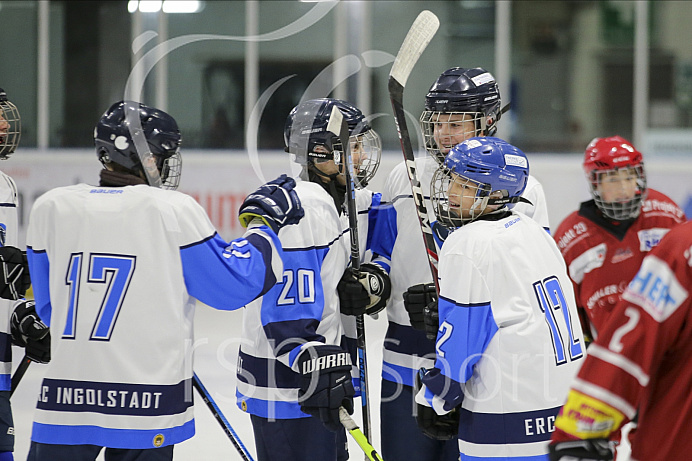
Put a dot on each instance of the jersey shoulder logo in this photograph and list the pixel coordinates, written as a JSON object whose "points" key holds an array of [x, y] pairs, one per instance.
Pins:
{"points": [[656, 289], [649, 238]]}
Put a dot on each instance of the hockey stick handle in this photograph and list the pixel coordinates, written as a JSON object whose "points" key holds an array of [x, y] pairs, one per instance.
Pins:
{"points": [[225, 425], [339, 126], [358, 436], [417, 39], [19, 374]]}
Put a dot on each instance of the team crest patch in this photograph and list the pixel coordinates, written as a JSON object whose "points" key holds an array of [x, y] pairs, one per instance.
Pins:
{"points": [[621, 255], [243, 406], [158, 440]]}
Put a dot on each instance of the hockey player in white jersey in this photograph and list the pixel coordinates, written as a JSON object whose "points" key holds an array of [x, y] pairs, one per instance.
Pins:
{"points": [[462, 103], [293, 366], [509, 341], [19, 324], [116, 269]]}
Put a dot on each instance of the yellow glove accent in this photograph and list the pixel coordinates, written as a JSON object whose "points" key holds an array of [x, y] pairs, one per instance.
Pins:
{"points": [[585, 417], [246, 218]]}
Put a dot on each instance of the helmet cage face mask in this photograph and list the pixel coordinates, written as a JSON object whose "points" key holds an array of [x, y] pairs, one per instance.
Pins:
{"points": [[447, 193], [449, 127], [366, 152], [620, 210], [10, 127]]}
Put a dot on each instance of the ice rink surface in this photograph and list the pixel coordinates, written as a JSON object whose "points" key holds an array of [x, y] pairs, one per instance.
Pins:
{"points": [[216, 351]]}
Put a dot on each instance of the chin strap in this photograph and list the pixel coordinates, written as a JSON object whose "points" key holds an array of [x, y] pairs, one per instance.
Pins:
{"points": [[335, 190], [115, 179]]}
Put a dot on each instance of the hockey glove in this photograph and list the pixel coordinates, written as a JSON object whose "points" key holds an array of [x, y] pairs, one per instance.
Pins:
{"points": [[438, 427], [14, 279], [326, 384], [367, 294], [29, 332], [275, 203], [582, 450], [420, 302]]}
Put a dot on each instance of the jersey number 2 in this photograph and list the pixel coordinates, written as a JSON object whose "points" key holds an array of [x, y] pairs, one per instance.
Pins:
{"points": [[552, 299], [115, 271]]}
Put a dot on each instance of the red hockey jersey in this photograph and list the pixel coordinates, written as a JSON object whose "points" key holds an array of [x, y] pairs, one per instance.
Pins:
{"points": [[603, 255], [641, 360]]}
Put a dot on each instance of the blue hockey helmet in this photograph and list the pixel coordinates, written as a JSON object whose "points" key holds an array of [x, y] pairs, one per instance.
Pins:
{"points": [[458, 94], [491, 169], [115, 145], [10, 126], [306, 128]]}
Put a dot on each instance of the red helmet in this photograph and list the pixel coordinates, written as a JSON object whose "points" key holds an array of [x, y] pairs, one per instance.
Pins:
{"points": [[609, 155]]}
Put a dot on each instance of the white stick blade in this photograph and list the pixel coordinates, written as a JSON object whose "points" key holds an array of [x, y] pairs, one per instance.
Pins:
{"points": [[419, 35], [334, 124]]}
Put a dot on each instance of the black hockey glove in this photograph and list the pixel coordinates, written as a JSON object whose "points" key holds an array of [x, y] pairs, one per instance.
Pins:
{"points": [[14, 279], [582, 450], [420, 302], [438, 427], [29, 332], [326, 384], [275, 203], [367, 294]]}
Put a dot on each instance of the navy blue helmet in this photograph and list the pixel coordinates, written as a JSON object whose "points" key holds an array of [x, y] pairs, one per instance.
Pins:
{"points": [[306, 128], [458, 94], [114, 142]]}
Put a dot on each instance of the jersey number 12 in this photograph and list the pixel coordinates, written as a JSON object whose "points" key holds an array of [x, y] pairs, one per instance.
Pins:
{"points": [[551, 299]]}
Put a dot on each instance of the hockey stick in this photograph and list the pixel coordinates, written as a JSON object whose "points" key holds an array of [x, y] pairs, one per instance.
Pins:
{"points": [[19, 374], [338, 125], [358, 436], [419, 35], [225, 425]]}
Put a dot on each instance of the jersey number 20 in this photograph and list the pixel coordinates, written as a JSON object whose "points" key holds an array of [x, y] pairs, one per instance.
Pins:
{"points": [[115, 271], [551, 299]]}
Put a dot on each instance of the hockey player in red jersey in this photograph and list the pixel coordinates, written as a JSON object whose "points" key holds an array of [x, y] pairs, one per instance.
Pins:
{"points": [[641, 360], [604, 242]]}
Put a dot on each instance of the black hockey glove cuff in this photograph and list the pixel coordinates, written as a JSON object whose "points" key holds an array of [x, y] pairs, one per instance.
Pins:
{"points": [[416, 299], [431, 318], [582, 450], [326, 384], [29, 332], [276, 203], [14, 273], [438, 427]]}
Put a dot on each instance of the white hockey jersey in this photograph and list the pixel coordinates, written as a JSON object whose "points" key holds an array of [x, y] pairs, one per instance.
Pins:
{"points": [[115, 272], [8, 237], [301, 309], [398, 244], [510, 341]]}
